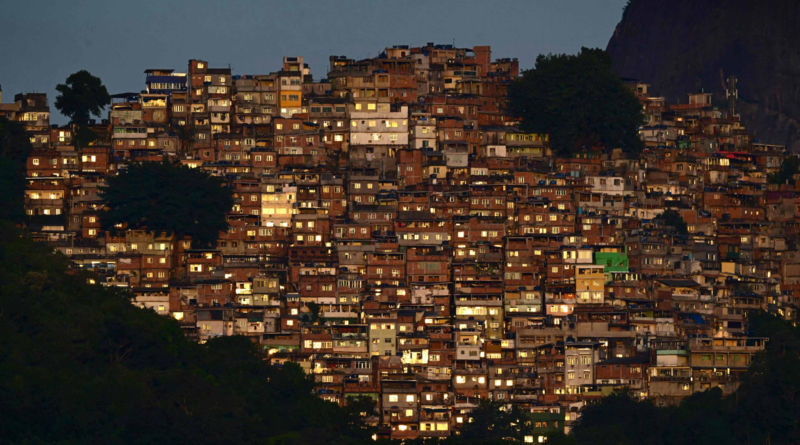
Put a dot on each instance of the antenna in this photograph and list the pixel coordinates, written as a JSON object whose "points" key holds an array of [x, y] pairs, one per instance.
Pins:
{"points": [[732, 93]]}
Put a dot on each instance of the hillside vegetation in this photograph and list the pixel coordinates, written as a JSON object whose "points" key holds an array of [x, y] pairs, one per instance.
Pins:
{"points": [[80, 364]]}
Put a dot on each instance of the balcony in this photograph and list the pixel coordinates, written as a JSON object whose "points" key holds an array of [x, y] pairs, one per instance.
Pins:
{"points": [[433, 376], [130, 133], [470, 371], [686, 379], [431, 433], [360, 387], [31, 203]]}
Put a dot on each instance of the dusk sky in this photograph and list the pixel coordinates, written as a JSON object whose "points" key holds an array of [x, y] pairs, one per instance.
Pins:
{"points": [[46, 41]]}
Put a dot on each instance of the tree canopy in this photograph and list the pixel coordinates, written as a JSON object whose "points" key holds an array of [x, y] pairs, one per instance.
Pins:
{"points": [[763, 410], [490, 423], [673, 218], [171, 198], [579, 101], [14, 149], [789, 167], [81, 97], [186, 135], [80, 364]]}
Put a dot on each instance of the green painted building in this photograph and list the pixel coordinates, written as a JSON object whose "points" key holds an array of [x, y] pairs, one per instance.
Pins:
{"points": [[614, 259]]}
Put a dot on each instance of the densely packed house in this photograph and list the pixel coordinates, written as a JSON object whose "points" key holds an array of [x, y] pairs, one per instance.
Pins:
{"points": [[401, 238]]}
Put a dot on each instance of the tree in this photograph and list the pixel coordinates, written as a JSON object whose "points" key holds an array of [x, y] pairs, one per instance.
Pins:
{"points": [[312, 316], [789, 167], [14, 149], [14, 141], [80, 364], [492, 423], [186, 135], [81, 97], [766, 405], [579, 101], [620, 419], [169, 198], [625, 9], [763, 410], [673, 218], [705, 417], [358, 409]]}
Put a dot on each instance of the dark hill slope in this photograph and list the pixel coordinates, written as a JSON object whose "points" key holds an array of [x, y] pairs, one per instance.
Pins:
{"points": [[681, 46], [79, 364]]}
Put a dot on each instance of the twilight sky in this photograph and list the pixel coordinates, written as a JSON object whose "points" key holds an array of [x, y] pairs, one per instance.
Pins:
{"points": [[45, 41]]}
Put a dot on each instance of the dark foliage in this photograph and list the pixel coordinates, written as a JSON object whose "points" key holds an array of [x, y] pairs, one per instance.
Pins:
{"points": [[186, 135], [600, 423], [492, 424], [80, 364], [789, 167], [312, 316], [14, 148], [81, 97], [165, 197], [579, 101], [764, 410], [673, 218]]}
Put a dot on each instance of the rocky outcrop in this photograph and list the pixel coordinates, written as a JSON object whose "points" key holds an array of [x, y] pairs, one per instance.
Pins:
{"points": [[680, 46], [771, 126]]}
